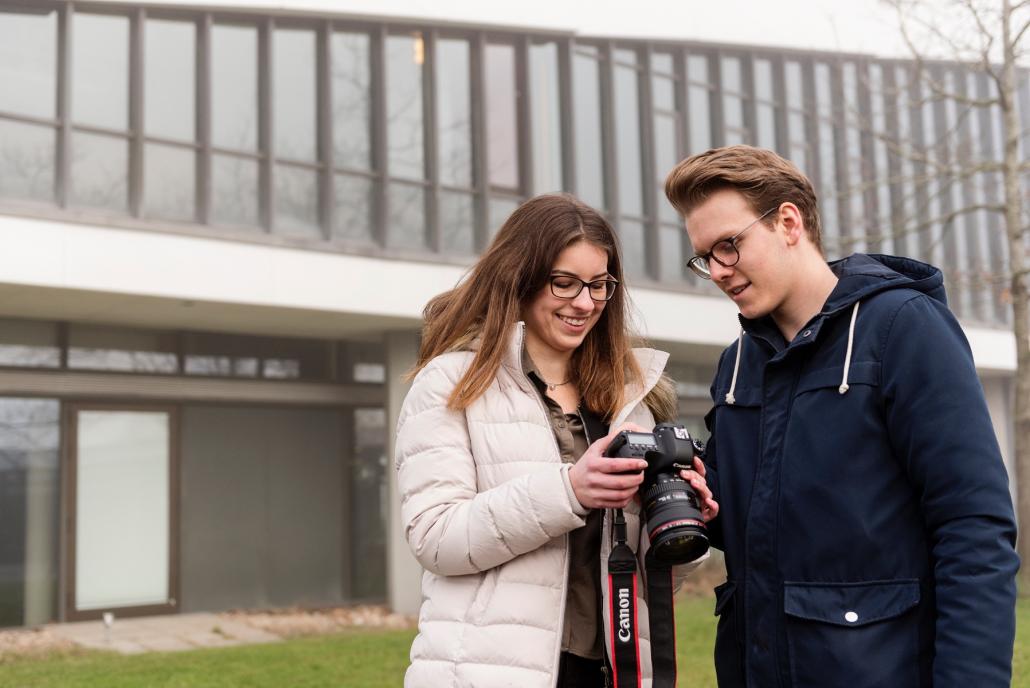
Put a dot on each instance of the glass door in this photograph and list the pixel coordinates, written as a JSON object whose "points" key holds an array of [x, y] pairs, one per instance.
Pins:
{"points": [[122, 535]]}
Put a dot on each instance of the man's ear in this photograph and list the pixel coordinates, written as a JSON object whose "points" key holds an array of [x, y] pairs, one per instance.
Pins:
{"points": [[792, 222]]}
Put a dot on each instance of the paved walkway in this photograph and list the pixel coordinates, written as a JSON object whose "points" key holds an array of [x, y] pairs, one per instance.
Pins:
{"points": [[162, 633]]}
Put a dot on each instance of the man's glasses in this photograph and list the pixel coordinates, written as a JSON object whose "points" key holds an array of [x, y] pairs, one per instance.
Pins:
{"points": [[723, 252], [569, 287]]}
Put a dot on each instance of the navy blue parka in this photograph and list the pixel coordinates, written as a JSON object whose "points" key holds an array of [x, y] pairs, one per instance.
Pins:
{"points": [[865, 512]]}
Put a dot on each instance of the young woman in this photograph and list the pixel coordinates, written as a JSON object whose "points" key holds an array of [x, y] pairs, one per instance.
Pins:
{"points": [[523, 370]]}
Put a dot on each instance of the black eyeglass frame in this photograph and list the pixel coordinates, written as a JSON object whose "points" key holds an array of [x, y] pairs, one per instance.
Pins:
{"points": [[699, 264], [583, 284]]}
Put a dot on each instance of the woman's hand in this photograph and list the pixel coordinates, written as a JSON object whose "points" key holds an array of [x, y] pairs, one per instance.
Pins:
{"points": [[696, 478], [601, 482]]}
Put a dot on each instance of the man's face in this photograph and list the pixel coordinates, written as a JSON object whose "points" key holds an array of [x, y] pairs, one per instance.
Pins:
{"points": [[760, 282]]}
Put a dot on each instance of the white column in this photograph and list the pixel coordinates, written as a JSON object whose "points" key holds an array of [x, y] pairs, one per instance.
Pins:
{"points": [[404, 574], [999, 405]]}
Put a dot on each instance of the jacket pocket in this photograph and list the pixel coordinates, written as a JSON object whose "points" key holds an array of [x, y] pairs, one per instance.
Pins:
{"points": [[729, 644], [853, 635]]}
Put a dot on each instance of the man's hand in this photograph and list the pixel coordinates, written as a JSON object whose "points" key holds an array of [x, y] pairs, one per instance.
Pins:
{"points": [[696, 478]]}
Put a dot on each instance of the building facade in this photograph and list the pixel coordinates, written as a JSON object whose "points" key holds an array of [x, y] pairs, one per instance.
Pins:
{"points": [[219, 225]]}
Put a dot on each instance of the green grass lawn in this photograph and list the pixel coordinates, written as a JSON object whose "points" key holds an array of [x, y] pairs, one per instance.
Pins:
{"points": [[371, 659]]}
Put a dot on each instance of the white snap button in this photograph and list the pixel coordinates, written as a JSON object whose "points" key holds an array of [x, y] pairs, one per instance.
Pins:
{"points": [[806, 333], [851, 617]]}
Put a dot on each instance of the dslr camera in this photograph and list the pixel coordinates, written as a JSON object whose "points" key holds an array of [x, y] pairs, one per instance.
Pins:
{"points": [[674, 525]]}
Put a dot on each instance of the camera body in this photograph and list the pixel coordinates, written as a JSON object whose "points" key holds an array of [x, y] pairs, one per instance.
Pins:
{"points": [[674, 525]]}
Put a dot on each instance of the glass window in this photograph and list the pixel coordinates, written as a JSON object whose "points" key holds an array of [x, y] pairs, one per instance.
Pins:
{"points": [[798, 147], [634, 262], [586, 105], [454, 113], [666, 141], [456, 218], [26, 160], [296, 202], [405, 58], [369, 505], [100, 70], [234, 190], [99, 170], [627, 136], [29, 344], [766, 124], [28, 63], [169, 182], [501, 119], [293, 89], [352, 96], [30, 492], [234, 87], [500, 210], [407, 217], [352, 218], [94, 347], [280, 358], [732, 101], [170, 105], [546, 117], [827, 159], [698, 104], [670, 239]]}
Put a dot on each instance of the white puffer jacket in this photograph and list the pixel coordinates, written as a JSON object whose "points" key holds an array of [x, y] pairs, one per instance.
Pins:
{"points": [[486, 505]]}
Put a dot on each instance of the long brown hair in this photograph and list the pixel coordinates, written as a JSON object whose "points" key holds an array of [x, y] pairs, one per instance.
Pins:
{"points": [[511, 272]]}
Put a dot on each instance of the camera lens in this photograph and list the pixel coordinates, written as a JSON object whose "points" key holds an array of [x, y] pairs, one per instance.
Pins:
{"points": [[674, 524]]}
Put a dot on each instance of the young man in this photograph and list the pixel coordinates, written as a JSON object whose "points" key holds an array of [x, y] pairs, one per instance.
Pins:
{"points": [[865, 512]]}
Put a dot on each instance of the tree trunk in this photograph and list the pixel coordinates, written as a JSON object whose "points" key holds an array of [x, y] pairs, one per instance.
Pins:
{"points": [[1017, 265]]}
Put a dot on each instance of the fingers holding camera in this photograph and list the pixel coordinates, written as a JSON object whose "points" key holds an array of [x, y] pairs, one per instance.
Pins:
{"points": [[605, 483], [696, 478]]}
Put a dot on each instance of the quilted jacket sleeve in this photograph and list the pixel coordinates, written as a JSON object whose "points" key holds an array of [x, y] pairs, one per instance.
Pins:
{"points": [[451, 526]]}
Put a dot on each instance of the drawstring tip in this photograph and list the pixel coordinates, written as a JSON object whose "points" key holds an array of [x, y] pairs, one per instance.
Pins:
{"points": [[730, 399], [843, 388]]}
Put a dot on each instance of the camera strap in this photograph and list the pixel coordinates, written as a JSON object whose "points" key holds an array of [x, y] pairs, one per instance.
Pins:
{"points": [[622, 608], [622, 611], [661, 617]]}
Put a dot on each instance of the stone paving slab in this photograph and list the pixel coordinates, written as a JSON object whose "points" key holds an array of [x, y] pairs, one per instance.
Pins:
{"points": [[169, 633]]}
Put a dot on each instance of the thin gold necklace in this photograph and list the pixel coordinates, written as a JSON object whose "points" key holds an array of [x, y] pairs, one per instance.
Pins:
{"points": [[555, 385]]}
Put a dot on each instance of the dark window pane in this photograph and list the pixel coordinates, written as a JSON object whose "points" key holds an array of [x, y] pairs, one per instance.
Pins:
{"points": [[501, 120], [99, 171], [368, 505], [546, 118], [407, 217], [627, 140], [29, 503], [28, 63], [234, 195], [278, 358], [631, 234], [29, 344], [586, 90], [93, 347], [26, 161], [169, 110], [293, 86], [353, 216], [456, 223], [296, 202], [169, 182], [234, 87], [351, 89], [405, 60], [454, 113], [100, 70]]}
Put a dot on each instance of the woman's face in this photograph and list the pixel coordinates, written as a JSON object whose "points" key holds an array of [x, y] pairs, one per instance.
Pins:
{"points": [[561, 324]]}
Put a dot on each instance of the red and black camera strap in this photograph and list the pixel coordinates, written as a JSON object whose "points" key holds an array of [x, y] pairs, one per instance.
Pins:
{"points": [[623, 580]]}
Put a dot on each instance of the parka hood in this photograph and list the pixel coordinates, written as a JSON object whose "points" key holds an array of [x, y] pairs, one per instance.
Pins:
{"points": [[862, 275]]}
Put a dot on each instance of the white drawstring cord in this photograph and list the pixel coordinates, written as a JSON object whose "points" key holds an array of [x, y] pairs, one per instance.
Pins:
{"points": [[847, 358], [730, 399]]}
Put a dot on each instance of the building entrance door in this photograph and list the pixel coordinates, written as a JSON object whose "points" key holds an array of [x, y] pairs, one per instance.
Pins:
{"points": [[122, 492]]}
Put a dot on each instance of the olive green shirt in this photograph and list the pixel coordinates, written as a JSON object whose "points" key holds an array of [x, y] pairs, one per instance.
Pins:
{"points": [[581, 634]]}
